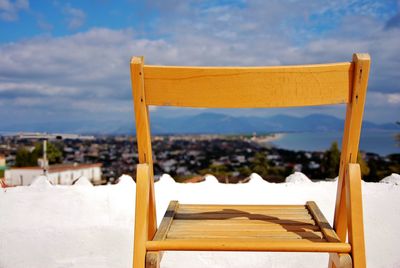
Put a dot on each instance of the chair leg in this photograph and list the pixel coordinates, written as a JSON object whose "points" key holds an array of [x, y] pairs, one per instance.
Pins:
{"points": [[139, 253], [340, 260], [153, 259], [355, 215], [331, 264], [141, 216]]}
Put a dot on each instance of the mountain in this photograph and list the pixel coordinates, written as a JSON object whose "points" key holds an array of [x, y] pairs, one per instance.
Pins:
{"points": [[204, 123], [79, 127], [214, 123]]}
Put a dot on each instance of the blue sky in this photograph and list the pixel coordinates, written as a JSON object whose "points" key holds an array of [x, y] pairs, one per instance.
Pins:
{"points": [[69, 60]]}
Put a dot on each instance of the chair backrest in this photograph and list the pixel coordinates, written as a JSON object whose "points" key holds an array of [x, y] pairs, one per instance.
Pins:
{"points": [[252, 87], [248, 87]]}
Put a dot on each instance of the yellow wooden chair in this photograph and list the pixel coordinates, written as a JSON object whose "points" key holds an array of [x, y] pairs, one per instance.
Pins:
{"points": [[284, 228]]}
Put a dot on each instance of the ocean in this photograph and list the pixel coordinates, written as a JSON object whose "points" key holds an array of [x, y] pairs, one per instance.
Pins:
{"points": [[380, 142]]}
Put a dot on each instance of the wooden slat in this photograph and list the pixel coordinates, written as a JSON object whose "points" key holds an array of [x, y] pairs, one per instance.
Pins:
{"points": [[244, 237], [247, 245], [256, 227], [167, 220], [242, 207], [239, 222], [244, 233], [255, 221], [196, 216], [211, 230], [249, 211], [238, 231], [322, 222], [248, 87], [232, 212], [253, 212]]}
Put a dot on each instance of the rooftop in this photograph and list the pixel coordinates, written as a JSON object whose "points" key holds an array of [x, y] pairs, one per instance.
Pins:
{"points": [[60, 167], [81, 226]]}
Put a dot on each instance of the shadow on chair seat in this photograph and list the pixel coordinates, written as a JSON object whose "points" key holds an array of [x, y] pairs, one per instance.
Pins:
{"points": [[246, 227]]}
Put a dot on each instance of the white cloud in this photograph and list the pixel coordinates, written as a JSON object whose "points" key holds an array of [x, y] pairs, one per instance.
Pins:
{"points": [[75, 17], [394, 99], [380, 100], [41, 21], [85, 75], [38, 87], [88, 73], [9, 9]]}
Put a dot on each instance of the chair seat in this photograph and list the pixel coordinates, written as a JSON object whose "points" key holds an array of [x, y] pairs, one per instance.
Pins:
{"points": [[246, 228]]}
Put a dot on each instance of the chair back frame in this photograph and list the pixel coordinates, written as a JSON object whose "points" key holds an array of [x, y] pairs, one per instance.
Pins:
{"points": [[254, 87]]}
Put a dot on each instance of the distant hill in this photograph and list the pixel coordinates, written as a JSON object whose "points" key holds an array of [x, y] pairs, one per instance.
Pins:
{"points": [[213, 123], [205, 123]]}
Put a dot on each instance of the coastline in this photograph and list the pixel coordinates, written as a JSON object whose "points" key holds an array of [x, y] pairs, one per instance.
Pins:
{"points": [[378, 142], [264, 140]]}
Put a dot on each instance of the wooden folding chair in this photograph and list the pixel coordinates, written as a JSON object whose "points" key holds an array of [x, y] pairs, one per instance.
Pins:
{"points": [[284, 228]]}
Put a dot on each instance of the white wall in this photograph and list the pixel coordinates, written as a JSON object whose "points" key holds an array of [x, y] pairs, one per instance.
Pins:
{"points": [[26, 176], [96, 174], [21, 176]]}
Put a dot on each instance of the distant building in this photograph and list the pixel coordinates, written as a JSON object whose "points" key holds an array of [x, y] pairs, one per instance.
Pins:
{"points": [[57, 174], [2, 168], [2, 160]]}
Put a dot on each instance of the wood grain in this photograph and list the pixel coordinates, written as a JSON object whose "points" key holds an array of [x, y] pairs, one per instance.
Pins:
{"points": [[355, 215], [143, 134], [241, 207], [153, 259], [252, 227], [248, 87], [141, 215], [322, 222], [341, 260], [247, 245], [243, 216], [167, 220], [264, 234], [351, 138]]}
